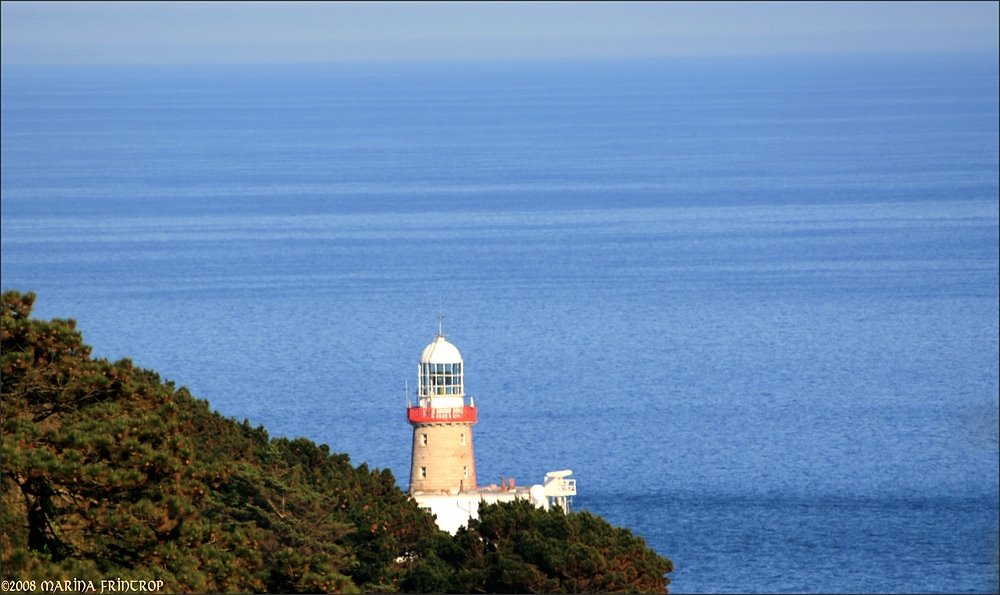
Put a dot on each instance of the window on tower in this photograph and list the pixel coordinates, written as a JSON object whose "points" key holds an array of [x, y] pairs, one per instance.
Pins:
{"points": [[423, 473], [423, 440]]}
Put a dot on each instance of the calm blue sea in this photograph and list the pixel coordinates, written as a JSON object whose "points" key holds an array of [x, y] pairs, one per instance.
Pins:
{"points": [[752, 304]]}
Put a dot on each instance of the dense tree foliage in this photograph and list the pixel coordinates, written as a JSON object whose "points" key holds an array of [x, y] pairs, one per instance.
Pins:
{"points": [[515, 547], [109, 472]]}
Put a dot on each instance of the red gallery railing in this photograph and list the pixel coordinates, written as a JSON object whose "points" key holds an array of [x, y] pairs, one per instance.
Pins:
{"points": [[423, 415]]}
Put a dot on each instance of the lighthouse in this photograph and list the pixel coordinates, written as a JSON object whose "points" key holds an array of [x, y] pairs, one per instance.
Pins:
{"points": [[442, 460]]}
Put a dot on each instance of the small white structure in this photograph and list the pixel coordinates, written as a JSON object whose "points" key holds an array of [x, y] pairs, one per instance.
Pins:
{"points": [[442, 462], [558, 490]]}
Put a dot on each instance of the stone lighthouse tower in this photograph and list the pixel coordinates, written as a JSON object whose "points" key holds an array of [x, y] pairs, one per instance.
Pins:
{"points": [[442, 458]]}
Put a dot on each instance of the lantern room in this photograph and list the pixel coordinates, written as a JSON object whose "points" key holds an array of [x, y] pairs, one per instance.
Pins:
{"points": [[440, 371]]}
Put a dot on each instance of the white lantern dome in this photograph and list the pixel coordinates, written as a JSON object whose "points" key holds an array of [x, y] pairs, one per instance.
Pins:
{"points": [[440, 351]]}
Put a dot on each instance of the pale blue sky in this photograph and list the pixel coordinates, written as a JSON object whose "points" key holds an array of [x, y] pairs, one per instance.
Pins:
{"points": [[264, 32]]}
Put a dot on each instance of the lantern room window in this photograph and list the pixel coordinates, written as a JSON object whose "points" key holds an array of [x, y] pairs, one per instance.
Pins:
{"points": [[440, 379]]}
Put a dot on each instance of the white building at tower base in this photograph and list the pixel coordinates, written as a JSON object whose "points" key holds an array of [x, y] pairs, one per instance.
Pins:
{"points": [[453, 511]]}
